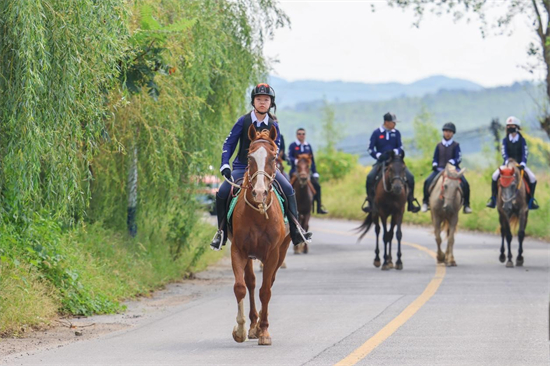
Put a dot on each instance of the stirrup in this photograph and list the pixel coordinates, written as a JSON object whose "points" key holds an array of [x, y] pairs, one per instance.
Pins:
{"points": [[217, 245], [492, 203], [413, 206], [368, 208]]}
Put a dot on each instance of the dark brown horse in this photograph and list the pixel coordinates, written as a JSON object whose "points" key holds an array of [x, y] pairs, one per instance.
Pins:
{"points": [[389, 200], [259, 232], [304, 195], [512, 208]]}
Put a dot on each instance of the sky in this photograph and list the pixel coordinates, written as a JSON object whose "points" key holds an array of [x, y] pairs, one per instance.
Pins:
{"points": [[345, 40]]}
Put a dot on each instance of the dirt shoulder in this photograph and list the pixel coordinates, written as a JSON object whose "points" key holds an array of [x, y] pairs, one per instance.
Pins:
{"points": [[139, 311]]}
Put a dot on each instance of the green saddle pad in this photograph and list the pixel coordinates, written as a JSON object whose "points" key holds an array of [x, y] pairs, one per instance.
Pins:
{"points": [[233, 203]]}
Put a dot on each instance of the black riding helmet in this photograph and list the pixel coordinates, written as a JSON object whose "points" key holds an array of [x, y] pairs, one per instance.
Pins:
{"points": [[263, 89], [449, 126]]}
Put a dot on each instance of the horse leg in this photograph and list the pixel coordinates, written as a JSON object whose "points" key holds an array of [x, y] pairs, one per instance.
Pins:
{"points": [[385, 266], [270, 269], [298, 249], [239, 262], [377, 250], [437, 231], [507, 231], [390, 239], [399, 235], [450, 258], [306, 228], [521, 236], [502, 257], [250, 280]]}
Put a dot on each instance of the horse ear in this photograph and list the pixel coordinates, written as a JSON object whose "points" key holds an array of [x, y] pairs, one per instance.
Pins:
{"points": [[251, 133], [461, 172], [273, 133]]}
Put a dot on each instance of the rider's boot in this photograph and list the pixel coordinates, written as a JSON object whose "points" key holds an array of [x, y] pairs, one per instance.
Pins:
{"points": [[426, 199], [533, 205], [320, 209], [494, 190], [466, 189], [296, 231], [221, 235]]}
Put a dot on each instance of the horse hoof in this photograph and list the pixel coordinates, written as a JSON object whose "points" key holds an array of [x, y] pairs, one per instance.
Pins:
{"points": [[283, 266], [502, 258], [376, 263], [509, 264], [450, 264], [385, 267], [399, 266], [441, 258], [306, 249], [519, 262], [264, 341], [239, 338], [253, 333], [390, 265]]}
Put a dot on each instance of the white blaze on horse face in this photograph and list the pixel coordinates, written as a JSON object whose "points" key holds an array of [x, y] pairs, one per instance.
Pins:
{"points": [[260, 190]]}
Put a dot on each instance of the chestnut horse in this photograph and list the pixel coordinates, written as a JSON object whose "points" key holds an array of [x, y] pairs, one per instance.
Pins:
{"points": [[304, 195], [389, 200], [259, 232], [512, 207], [445, 202]]}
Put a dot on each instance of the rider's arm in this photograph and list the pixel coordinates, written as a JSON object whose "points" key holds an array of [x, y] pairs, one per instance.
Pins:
{"points": [[230, 143], [313, 167], [457, 157], [435, 160], [399, 150], [372, 145], [503, 151], [524, 151]]}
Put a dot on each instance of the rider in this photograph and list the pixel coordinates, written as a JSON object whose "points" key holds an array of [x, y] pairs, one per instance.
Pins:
{"points": [[301, 146], [262, 100], [515, 147], [282, 153], [383, 140], [447, 151]]}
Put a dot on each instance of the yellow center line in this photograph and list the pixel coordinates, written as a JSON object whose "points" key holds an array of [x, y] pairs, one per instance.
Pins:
{"points": [[363, 351]]}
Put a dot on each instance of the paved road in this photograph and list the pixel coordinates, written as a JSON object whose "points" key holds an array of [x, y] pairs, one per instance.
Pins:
{"points": [[330, 302]]}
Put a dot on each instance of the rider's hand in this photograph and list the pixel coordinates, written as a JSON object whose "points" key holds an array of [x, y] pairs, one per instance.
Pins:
{"points": [[227, 173], [521, 167], [383, 156], [434, 168]]}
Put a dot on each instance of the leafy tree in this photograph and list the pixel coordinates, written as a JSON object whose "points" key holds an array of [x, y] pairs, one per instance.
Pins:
{"points": [[538, 12]]}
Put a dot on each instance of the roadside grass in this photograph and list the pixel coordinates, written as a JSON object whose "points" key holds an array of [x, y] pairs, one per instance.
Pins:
{"points": [[343, 199], [107, 267]]}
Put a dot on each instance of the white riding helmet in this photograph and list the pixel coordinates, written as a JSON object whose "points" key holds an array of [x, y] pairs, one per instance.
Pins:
{"points": [[513, 121]]}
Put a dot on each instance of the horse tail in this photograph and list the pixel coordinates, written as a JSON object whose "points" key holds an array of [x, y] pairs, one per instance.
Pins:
{"points": [[365, 226], [514, 222]]}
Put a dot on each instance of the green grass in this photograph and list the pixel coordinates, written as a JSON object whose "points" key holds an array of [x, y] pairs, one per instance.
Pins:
{"points": [[103, 267], [343, 199]]}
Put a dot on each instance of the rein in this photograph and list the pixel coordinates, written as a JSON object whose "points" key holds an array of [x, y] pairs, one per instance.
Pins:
{"points": [[445, 176]]}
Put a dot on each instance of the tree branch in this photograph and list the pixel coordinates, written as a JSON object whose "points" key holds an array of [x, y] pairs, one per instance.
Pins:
{"points": [[539, 28]]}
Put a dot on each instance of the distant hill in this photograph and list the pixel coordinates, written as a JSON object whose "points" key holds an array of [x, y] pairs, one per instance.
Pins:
{"points": [[290, 94], [469, 110]]}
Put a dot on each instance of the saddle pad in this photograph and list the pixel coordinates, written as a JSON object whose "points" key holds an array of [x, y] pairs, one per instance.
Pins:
{"points": [[233, 203]]}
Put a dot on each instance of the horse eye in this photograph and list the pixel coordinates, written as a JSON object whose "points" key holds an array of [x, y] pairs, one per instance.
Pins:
{"points": [[445, 186]]}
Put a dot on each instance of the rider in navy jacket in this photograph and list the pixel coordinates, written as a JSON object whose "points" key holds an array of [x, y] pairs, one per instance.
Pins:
{"points": [[384, 140], [447, 151], [301, 146], [514, 146], [262, 99]]}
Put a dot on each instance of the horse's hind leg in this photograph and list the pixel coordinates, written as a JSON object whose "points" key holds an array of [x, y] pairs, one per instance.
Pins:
{"points": [[238, 262], [399, 235], [377, 250], [521, 236], [437, 231], [449, 257], [250, 280]]}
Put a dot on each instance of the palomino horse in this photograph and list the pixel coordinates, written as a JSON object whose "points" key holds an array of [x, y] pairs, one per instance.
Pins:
{"points": [[304, 195], [445, 203], [389, 200], [259, 232], [512, 207]]}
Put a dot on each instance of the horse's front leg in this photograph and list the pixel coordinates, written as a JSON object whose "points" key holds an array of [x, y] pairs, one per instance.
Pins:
{"points": [[437, 231], [399, 235], [250, 280], [449, 257], [508, 234], [502, 257], [390, 239], [385, 265], [521, 236], [239, 262], [270, 269], [377, 250]]}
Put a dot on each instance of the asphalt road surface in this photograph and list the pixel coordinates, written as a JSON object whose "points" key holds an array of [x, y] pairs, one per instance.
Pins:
{"points": [[333, 306]]}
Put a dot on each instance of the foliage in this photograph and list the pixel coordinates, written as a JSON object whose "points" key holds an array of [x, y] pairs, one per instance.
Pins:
{"points": [[334, 165], [426, 137]]}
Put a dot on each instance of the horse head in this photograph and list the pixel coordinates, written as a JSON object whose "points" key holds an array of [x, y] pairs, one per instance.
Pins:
{"points": [[450, 187], [395, 173], [303, 168], [509, 182], [262, 156]]}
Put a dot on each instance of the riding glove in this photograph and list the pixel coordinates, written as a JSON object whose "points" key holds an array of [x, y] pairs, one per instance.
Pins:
{"points": [[227, 173]]}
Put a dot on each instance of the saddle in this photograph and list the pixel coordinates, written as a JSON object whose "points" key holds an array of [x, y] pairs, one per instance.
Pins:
{"points": [[434, 181]]}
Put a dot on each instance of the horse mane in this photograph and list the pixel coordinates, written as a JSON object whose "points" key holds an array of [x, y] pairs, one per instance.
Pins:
{"points": [[306, 157], [262, 136]]}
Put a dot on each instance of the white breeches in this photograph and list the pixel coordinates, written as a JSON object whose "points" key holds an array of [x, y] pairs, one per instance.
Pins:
{"points": [[528, 171]]}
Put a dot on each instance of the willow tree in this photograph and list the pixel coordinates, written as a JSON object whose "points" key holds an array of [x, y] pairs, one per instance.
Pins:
{"points": [[536, 11], [57, 57]]}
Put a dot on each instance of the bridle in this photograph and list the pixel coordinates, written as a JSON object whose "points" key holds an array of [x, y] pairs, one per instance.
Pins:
{"points": [[391, 181], [307, 179], [445, 176], [262, 208]]}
